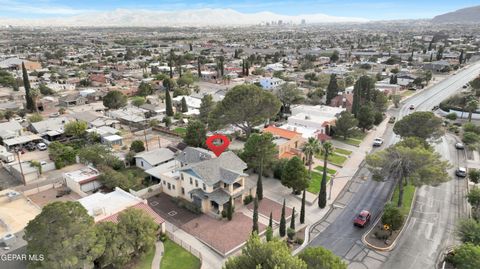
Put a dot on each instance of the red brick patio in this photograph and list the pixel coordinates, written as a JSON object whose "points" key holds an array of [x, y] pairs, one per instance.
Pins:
{"points": [[222, 235], [265, 206]]}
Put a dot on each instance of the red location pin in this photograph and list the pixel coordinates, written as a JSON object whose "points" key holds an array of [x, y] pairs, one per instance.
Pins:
{"points": [[215, 147]]}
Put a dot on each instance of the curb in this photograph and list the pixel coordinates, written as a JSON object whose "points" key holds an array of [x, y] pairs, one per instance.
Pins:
{"points": [[405, 224], [306, 240]]}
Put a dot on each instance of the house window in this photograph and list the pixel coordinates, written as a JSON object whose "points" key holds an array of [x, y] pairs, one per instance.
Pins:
{"points": [[141, 163], [169, 186], [183, 190], [204, 187], [191, 182], [225, 185], [173, 186], [196, 183]]}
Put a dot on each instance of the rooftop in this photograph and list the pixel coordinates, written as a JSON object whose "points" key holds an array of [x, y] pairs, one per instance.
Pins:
{"points": [[82, 175]]}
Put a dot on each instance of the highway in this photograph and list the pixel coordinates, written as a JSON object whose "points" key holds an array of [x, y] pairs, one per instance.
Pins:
{"points": [[430, 230]]}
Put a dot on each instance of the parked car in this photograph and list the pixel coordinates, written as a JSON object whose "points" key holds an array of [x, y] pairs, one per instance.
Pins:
{"points": [[392, 119], [41, 146], [377, 142], [412, 107], [435, 108], [30, 146], [459, 145], [362, 219], [461, 172]]}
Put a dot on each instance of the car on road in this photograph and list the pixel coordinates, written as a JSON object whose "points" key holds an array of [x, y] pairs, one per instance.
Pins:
{"points": [[362, 219], [461, 172], [459, 145], [41, 146], [377, 142], [392, 119], [412, 107]]}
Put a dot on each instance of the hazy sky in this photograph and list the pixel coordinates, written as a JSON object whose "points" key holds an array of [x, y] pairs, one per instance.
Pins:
{"points": [[373, 9]]}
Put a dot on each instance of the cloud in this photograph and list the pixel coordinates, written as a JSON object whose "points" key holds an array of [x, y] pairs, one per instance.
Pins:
{"points": [[43, 7]]}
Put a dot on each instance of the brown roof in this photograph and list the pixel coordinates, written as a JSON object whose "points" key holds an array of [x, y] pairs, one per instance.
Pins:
{"points": [[145, 208]]}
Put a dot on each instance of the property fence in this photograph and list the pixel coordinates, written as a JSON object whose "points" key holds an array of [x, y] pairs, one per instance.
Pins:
{"points": [[185, 245]]}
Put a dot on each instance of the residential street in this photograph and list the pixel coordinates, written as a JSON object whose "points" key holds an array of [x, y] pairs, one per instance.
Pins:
{"points": [[428, 233]]}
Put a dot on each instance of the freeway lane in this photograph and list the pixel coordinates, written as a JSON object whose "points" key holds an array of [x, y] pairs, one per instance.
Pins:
{"points": [[344, 240]]}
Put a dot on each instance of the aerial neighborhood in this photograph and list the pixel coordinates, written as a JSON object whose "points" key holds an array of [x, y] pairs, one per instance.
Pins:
{"points": [[347, 145]]}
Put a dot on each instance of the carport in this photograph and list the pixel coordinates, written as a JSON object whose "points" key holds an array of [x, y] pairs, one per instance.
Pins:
{"points": [[21, 141]]}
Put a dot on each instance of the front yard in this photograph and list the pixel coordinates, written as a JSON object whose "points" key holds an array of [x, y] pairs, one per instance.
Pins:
{"points": [[314, 186], [176, 257]]}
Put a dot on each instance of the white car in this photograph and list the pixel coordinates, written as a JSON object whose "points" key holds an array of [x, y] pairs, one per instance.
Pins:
{"points": [[41, 146], [459, 145], [377, 142]]}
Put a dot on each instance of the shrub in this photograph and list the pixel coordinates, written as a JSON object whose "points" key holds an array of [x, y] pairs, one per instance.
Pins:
{"points": [[392, 217], [224, 213], [290, 233], [451, 116], [248, 199], [381, 234], [474, 175], [470, 138], [137, 146], [472, 128], [269, 234], [162, 237], [299, 241]]}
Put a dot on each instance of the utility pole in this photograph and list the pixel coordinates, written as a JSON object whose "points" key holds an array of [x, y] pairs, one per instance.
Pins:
{"points": [[21, 168], [145, 135]]}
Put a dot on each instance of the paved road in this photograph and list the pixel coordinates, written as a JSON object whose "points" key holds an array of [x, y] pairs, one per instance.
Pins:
{"points": [[435, 212]]}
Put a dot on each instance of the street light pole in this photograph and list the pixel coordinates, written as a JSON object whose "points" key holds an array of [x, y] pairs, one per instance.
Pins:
{"points": [[21, 168], [331, 185]]}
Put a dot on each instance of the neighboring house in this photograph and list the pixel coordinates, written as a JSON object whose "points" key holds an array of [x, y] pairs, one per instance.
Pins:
{"points": [[83, 181], [149, 159], [271, 83], [204, 180], [10, 129], [317, 117], [133, 116], [50, 129], [72, 100], [108, 206], [24, 171], [388, 88], [16, 64], [437, 66], [193, 104], [344, 100], [288, 142], [21, 141], [405, 79]]}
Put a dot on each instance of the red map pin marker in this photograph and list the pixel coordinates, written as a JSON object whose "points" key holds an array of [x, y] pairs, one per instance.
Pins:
{"points": [[215, 147]]}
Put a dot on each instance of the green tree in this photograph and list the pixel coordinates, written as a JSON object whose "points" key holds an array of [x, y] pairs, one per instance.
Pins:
{"points": [[334, 57], [206, 106], [289, 94], [145, 89], [292, 220], [138, 229], [138, 101], [474, 175], [230, 209], [417, 166], [36, 117], [111, 178], [362, 93], [392, 217], [466, 256], [283, 222], [366, 117], [270, 220], [471, 107], [327, 148], [61, 154], [295, 175], [97, 155], [469, 231], [269, 234], [169, 84], [332, 89], [396, 98], [137, 146], [26, 83], [255, 216], [321, 258], [451, 116], [346, 125], [168, 104], [302, 209], [269, 255], [196, 134], [75, 128], [115, 100], [245, 106], [259, 153], [65, 235], [184, 105], [116, 253], [310, 149], [473, 198], [422, 124]]}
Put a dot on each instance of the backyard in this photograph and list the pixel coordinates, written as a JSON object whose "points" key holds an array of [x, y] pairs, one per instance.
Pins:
{"points": [[176, 257], [181, 131]]}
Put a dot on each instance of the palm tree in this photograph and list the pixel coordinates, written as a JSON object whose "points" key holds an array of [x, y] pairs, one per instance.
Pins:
{"points": [[327, 148], [310, 149], [471, 107]]}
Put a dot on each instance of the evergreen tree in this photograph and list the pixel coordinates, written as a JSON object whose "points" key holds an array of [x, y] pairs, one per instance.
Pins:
{"points": [[170, 62], [332, 89], [199, 68], [255, 216], [206, 106], [363, 92], [393, 79], [168, 103], [270, 221], [283, 222], [431, 57], [196, 134], [247, 68], [184, 105], [302, 209], [322, 195], [292, 220], [460, 59], [26, 84], [440, 53], [260, 184], [230, 209]]}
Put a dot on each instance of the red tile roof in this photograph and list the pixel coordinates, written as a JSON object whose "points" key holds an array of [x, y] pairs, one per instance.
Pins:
{"points": [[145, 208], [281, 132]]}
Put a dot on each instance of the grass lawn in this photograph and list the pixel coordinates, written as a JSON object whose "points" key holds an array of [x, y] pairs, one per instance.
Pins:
{"points": [[343, 151], [145, 262], [350, 141], [329, 170], [176, 257], [407, 93], [314, 186], [336, 159], [180, 130], [408, 192]]}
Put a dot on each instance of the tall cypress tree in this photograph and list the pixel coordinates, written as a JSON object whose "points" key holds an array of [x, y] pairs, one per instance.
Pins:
{"points": [[184, 105], [199, 69], [270, 221], [26, 84], [230, 209], [302, 209], [460, 59], [292, 220], [332, 89], [283, 221], [255, 216], [260, 184], [168, 103]]}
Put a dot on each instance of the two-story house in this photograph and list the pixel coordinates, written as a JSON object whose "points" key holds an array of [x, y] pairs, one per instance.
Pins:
{"points": [[288, 143]]}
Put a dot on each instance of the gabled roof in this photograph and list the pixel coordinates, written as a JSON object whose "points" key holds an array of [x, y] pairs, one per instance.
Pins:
{"points": [[192, 155], [156, 156], [281, 132]]}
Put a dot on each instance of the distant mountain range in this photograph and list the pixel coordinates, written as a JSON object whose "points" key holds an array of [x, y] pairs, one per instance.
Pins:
{"points": [[197, 17], [464, 15]]}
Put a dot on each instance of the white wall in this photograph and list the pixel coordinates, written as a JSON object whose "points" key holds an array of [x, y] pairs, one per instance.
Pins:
{"points": [[139, 161]]}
